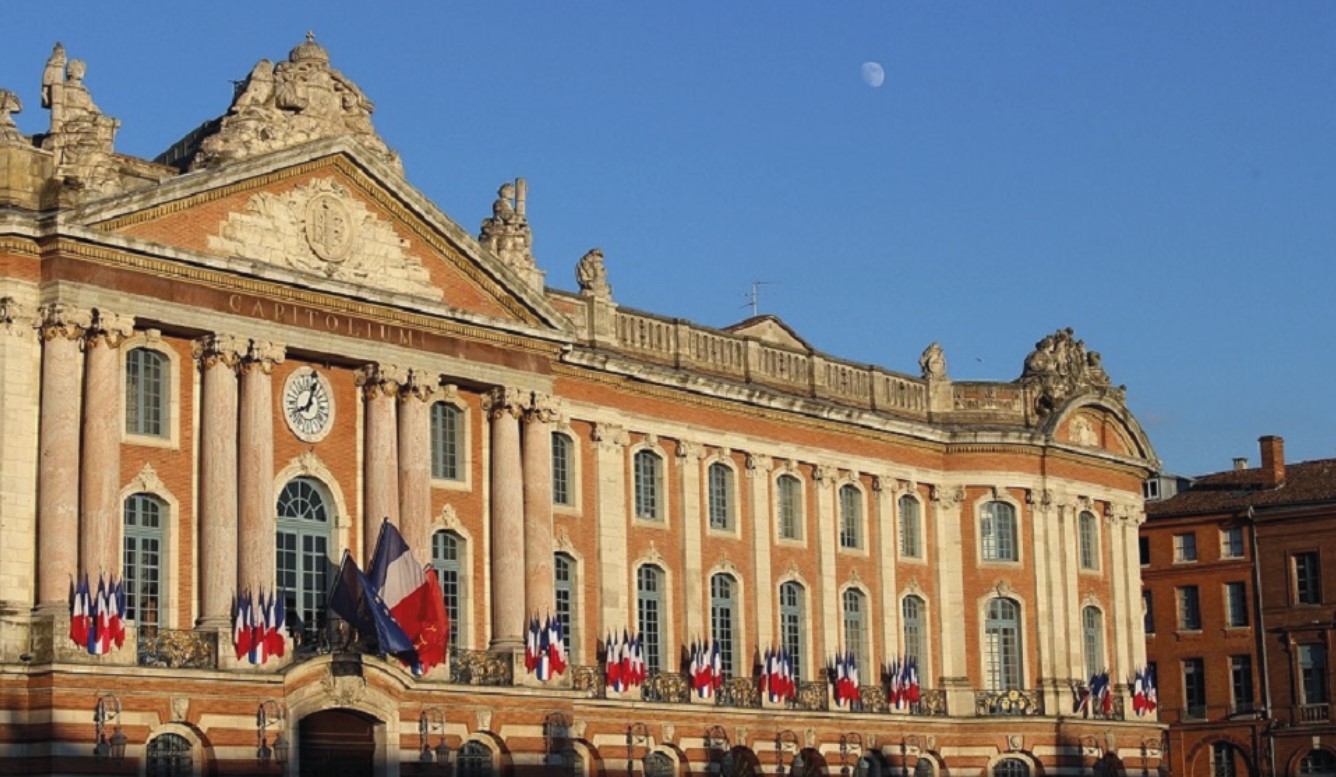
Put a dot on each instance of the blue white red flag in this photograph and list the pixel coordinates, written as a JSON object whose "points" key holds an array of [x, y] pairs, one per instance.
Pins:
{"points": [[401, 583], [356, 600], [556, 639]]}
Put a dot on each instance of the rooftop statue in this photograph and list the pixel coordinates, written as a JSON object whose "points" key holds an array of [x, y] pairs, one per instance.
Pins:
{"points": [[506, 232], [592, 275], [293, 102], [1060, 367], [9, 104], [932, 363], [81, 135]]}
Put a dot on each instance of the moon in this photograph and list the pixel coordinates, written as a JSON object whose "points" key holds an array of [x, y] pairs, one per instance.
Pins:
{"points": [[873, 74]]}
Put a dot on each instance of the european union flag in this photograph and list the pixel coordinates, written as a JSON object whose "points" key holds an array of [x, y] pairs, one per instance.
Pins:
{"points": [[355, 600]]}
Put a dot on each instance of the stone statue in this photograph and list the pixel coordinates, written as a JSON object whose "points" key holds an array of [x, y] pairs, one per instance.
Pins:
{"points": [[1060, 367], [81, 135], [506, 232], [592, 275], [293, 102], [9, 104], [933, 362]]}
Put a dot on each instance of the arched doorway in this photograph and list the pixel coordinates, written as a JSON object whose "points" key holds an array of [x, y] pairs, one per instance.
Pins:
{"points": [[337, 743]]}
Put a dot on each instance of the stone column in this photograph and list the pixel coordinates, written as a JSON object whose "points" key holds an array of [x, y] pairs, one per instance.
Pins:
{"points": [[62, 327], [257, 514], [380, 489], [415, 460], [218, 356], [539, 596], [100, 459], [504, 407]]}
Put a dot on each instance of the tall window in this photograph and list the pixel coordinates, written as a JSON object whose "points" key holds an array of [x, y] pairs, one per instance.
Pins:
{"points": [[447, 558], [1189, 609], [998, 532], [447, 441], [168, 755], [1222, 760], [1002, 645], [913, 613], [1089, 531], [1307, 581], [563, 570], [723, 617], [789, 493], [146, 392], [1236, 605], [851, 517], [1194, 688], [1231, 542], [1011, 767], [1241, 682], [1185, 548], [793, 622], [648, 483], [563, 469], [1092, 634], [1143, 550], [721, 496], [855, 627], [1148, 611], [142, 570], [303, 563], [1313, 674], [650, 608], [911, 528]]}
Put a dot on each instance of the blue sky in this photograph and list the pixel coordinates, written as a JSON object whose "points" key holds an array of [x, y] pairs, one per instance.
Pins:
{"points": [[1161, 177]]}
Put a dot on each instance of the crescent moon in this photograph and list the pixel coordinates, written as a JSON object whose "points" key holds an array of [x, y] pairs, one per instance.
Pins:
{"points": [[873, 74]]}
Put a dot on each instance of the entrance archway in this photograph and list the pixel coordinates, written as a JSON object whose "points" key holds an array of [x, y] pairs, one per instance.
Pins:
{"points": [[337, 743]]}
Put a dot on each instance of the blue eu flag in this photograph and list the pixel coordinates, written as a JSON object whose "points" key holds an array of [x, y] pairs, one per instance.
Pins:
{"points": [[356, 600]]}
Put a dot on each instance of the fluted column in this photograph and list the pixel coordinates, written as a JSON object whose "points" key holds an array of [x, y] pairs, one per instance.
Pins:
{"points": [[62, 327], [255, 467], [218, 356], [504, 406], [415, 459], [539, 596], [380, 490], [100, 462]]}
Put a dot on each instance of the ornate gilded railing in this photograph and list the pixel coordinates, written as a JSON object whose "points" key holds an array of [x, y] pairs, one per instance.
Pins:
{"points": [[1115, 711], [669, 687], [739, 692], [931, 703], [481, 667], [592, 681], [873, 698], [814, 697], [177, 648], [1012, 702]]}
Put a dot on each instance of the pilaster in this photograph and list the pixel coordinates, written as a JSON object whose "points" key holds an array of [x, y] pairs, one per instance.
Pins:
{"points": [[946, 506], [827, 587], [759, 468], [689, 457], [884, 495], [20, 368], [611, 441]]}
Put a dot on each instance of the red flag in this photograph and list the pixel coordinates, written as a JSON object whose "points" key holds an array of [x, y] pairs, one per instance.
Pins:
{"points": [[435, 633]]}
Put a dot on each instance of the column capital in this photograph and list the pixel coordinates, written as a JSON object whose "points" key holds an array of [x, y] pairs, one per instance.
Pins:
{"points": [[109, 329], [212, 350], [505, 400], [16, 317], [262, 355], [687, 449], [418, 384], [59, 320], [824, 475], [380, 379], [948, 497], [545, 409], [610, 436], [759, 464]]}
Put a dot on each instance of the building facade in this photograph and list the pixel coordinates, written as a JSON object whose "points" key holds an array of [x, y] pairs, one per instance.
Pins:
{"points": [[224, 367], [1239, 619]]}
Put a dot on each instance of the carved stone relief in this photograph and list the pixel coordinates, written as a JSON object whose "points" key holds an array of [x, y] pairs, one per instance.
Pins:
{"points": [[1060, 367], [81, 136], [9, 131]]}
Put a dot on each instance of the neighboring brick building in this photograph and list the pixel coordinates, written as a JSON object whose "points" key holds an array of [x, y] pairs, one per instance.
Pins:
{"points": [[223, 367], [1241, 621]]}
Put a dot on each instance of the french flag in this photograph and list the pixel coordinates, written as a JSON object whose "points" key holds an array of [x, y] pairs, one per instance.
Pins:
{"points": [[556, 641], [401, 583], [241, 632], [81, 612]]}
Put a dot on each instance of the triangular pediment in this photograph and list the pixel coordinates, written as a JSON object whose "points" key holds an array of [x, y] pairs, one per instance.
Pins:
{"points": [[770, 330], [327, 215]]}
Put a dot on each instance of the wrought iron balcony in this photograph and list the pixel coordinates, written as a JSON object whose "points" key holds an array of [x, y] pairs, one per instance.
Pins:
{"points": [[177, 648], [739, 692], [669, 687], [1014, 702], [481, 667], [931, 703], [813, 697]]}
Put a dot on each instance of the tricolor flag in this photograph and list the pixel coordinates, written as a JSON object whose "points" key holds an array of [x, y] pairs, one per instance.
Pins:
{"points": [[910, 682], [402, 584], [241, 632], [612, 663], [356, 600], [81, 612], [716, 666], [259, 652], [556, 640], [531, 646]]}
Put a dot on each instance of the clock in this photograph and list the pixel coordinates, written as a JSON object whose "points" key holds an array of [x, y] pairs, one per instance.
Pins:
{"points": [[308, 404]]}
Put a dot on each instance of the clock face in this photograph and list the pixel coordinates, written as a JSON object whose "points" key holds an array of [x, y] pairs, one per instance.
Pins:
{"points": [[308, 405]]}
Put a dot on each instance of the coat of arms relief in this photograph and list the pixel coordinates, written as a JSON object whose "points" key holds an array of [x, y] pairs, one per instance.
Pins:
{"points": [[321, 229]]}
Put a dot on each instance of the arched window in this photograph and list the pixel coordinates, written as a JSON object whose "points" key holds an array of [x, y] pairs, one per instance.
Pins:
{"points": [[1011, 767], [855, 627], [1002, 645], [146, 373], [1092, 637], [911, 528], [1222, 760], [1089, 534], [851, 517], [659, 765], [145, 516], [474, 760], [648, 485], [997, 532], [721, 496], [723, 617], [447, 441], [1318, 763], [793, 623], [650, 608], [303, 564], [563, 469], [868, 766], [912, 614], [924, 768], [563, 569], [740, 762], [168, 755], [789, 495], [447, 558]]}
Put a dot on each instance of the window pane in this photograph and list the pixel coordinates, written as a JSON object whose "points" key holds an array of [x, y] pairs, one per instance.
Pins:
{"points": [[145, 392], [792, 623], [562, 471], [910, 528], [1002, 645], [447, 558], [563, 568], [722, 618], [851, 517], [302, 562], [1189, 613], [855, 628], [912, 612], [1185, 547], [1092, 630], [649, 587], [1307, 584], [647, 480], [1089, 531], [142, 563], [1313, 673], [1231, 542], [998, 532], [447, 443], [1241, 683], [1236, 605], [1194, 688], [721, 496], [790, 507]]}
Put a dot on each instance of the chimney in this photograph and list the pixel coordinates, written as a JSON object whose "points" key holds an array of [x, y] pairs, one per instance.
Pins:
{"points": [[1240, 462], [1273, 460]]}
